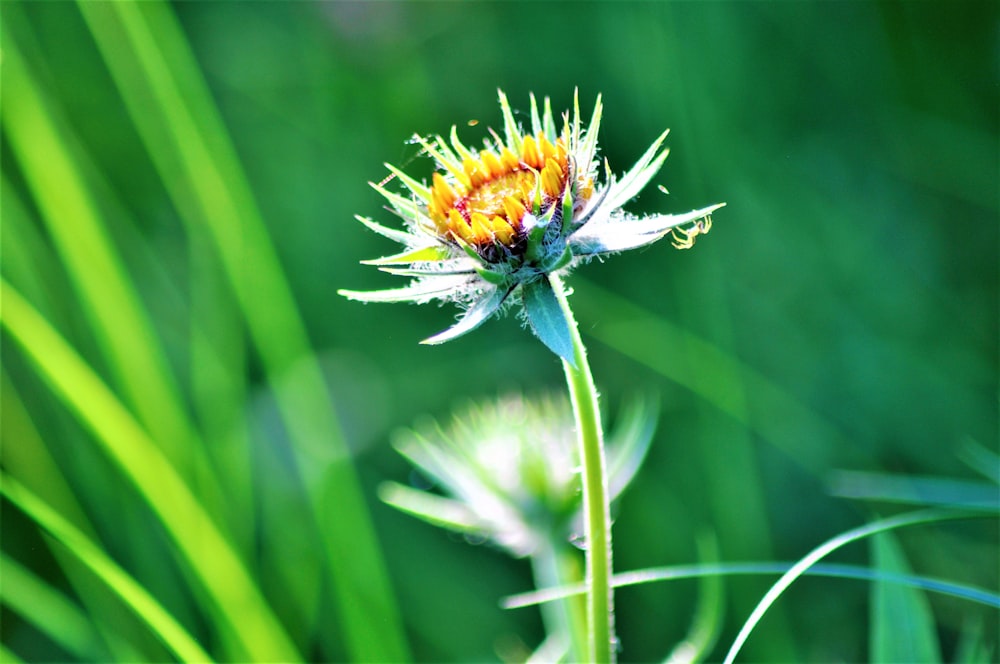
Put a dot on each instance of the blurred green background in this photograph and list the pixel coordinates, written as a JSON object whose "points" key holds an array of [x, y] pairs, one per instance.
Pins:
{"points": [[178, 190]]}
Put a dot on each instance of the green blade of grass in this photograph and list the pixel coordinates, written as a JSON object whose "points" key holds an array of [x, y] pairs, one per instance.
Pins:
{"points": [[677, 572], [902, 625], [902, 520], [49, 611], [163, 89], [8, 657], [708, 614], [244, 613], [173, 635], [114, 311], [30, 461]]}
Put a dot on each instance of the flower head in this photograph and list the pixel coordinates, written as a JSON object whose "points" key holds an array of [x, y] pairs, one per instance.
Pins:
{"points": [[494, 224], [509, 469]]}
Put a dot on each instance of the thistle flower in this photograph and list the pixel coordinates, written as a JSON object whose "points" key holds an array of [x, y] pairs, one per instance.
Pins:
{"points": [[494, 224], [510, 468]]}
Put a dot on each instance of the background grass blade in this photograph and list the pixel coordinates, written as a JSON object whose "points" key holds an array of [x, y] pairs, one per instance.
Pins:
{"points": [[51, 612], [706, 622], [902, 520], [116, 316], [161, 85], [174, 636], [676, 572], [902, 625], [241, 610]]}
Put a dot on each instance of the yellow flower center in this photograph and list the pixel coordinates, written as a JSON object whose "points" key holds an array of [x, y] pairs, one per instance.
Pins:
{"points": [[493, 192]]}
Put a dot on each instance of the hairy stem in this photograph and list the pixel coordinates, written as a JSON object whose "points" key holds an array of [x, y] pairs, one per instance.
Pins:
{"points": [[597, 514]]}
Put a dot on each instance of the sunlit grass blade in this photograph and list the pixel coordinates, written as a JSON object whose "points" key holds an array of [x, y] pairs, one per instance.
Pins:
{"points": [[117, 317], [173, 635], [902, 625], [26, 258], [49, 611], [242, 611], [62, 181], [26, 457], [166, 96], [30, 461], [8, 657]]}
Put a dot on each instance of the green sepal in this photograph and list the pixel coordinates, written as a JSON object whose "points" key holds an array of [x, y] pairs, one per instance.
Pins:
{"points": [[547, 319], [470, 251], [459, 147], [404, 207], [510, 124], [536, 119], [567, 209], [421, 190], [536, 203], [548, 121], [424, 254], [536, 234], [561, 262], [491, 276]]}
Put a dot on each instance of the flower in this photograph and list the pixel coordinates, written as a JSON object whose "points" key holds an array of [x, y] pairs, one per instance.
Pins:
{"points": [[494, 225], [509, 469]]}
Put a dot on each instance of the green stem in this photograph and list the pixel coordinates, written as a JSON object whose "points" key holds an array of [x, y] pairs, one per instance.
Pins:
{"points": [[597, 513], [556, 564]]}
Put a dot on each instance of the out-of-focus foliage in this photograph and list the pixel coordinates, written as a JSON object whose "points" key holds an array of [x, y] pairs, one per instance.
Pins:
{"points": [[181, 219]]}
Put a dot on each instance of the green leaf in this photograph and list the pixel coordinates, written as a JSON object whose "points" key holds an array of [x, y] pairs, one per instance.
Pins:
{"points": [[547, 319], [903, 627]]}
